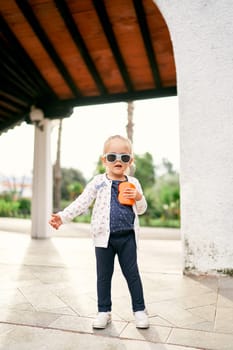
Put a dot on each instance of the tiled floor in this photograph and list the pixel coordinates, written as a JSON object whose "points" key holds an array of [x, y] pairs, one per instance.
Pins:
{"points": [[48, 297]]}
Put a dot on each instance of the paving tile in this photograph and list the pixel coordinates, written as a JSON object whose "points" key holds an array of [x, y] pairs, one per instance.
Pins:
{"points": [[225, 298], [42, 299], [174, 314], [159, 295], [11, 297], [48, 304], [73, 323], [182, 289], [200, 300], [27, 338], [225, 282], [62, 311], [82, 324], [82, 304], [74, 286], [199, 339], [224, 320], [205, 312], [153, 334], [27, 317], [5, 329], [8, 285], [210, 282], [14, 275], [156, 260], [51, 285], [158, 321], [190, 287], [204, 326], [51, 275], [122, 307], [20, 306], [119, 286]]}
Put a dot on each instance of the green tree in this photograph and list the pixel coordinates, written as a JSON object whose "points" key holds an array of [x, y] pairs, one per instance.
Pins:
{"points": [[100, 169], [166, 194], [74, 189], [145, 170], [168, 166], [24, 207], [70, 176]]}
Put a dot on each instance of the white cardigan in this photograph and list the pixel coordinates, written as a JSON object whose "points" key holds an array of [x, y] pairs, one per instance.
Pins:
{"points": [[99, 189]]}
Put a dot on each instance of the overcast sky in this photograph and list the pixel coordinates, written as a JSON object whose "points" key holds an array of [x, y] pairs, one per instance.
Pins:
{"points": [[156, 130]]}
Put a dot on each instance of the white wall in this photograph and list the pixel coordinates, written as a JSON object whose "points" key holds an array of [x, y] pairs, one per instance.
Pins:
{"points": [[202, 33]]}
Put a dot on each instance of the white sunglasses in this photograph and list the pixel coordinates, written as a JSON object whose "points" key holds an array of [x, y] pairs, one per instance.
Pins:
{"points": [[113, 157]]}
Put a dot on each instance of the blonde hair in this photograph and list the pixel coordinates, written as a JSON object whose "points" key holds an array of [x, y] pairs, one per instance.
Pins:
{"points": [[122, 138]]}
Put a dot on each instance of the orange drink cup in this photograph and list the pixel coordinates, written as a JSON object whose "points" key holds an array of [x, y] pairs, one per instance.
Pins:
{"points": [[121, 189]]}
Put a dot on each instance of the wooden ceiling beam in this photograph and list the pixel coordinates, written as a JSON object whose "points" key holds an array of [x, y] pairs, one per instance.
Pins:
{"points": [[48, 46], [22, 83], [80, 43], [10, 107], [4, 111], [107, 27], [14, 83], [4, 96], [141, 17], [13, 90], [8, 103], [120, 97], [22, 56], [13, 70]]}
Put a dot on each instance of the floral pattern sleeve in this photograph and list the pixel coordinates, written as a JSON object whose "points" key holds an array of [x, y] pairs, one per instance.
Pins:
{"points": [[80, 205]]}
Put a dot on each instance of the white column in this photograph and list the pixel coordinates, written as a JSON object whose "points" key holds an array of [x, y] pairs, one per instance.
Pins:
{"points": [[42, 182], [201, 32]]}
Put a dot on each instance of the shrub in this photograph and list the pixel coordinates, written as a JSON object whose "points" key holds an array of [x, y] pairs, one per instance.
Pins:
{"points": [[24, 207], [8, 208]]}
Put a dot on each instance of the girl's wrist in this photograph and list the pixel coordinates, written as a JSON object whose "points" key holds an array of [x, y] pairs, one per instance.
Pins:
{"points": [[138, 196]]}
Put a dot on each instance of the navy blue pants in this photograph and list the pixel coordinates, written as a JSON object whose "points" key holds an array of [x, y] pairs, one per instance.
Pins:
{"points": [[124, 246]]}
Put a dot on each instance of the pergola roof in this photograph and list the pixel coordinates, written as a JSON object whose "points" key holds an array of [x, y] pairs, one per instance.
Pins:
{"points": [[57, 54]]}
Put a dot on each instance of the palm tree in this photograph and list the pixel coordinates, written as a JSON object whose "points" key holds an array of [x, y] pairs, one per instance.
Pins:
{"points": [[129, 130], [130, 125]]}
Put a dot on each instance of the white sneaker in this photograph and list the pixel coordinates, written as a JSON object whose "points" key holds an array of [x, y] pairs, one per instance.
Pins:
{"points": [[141, 319], [102, 320]]}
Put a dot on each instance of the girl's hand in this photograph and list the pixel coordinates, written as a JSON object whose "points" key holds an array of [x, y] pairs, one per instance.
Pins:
{"points": [[132, 193], [55, 221]]}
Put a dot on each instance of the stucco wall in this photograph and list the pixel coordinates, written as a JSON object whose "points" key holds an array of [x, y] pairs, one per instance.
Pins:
{"points": [[201, 32]]}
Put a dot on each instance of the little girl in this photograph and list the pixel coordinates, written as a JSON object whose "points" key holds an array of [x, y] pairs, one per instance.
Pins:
{"points": [[114, 227]]}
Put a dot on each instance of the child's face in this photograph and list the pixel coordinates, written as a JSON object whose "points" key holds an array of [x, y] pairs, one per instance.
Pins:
{"points": [[117, 168]]}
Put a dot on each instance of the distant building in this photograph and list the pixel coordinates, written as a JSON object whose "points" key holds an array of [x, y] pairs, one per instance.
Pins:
{"points": [[20, 186]]}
